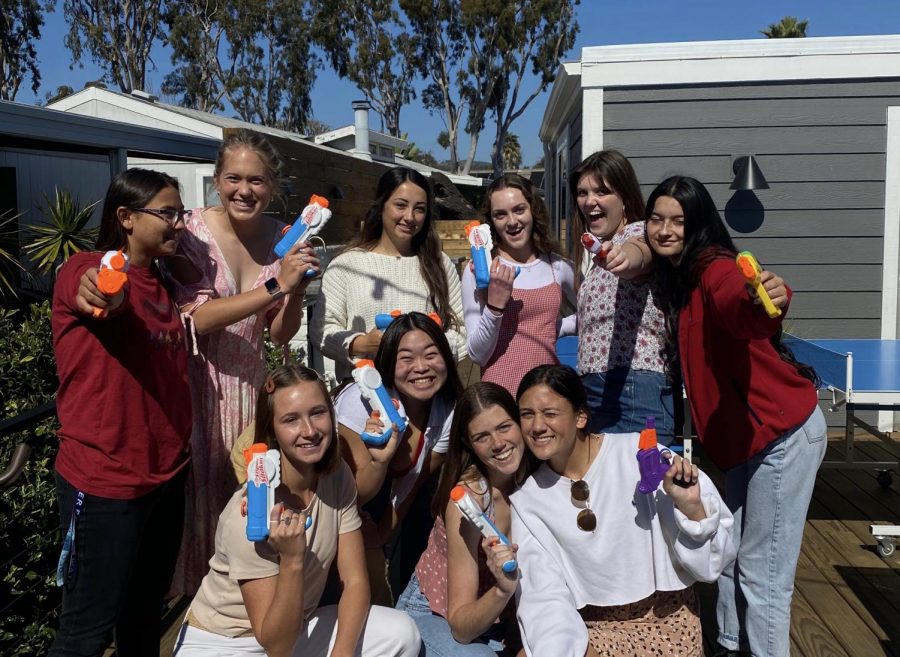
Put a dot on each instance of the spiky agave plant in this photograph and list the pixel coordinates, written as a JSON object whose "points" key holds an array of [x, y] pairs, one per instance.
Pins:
{"points": [[63, 234], [9, 234]]}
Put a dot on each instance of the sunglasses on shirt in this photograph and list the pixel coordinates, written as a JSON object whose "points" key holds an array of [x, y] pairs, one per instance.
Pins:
{"points": [[581, 496]]}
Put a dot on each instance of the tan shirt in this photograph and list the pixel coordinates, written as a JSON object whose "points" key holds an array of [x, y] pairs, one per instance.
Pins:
{"points": [[219, 606]]}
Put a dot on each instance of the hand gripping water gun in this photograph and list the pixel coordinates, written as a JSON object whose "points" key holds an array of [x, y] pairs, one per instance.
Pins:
{"points": [[652, 463], [593, 244], [383, 320], [111, 277], [481, 244], [263, 477], [309, 223], [372, 389], [751, 270], [478, 518]]}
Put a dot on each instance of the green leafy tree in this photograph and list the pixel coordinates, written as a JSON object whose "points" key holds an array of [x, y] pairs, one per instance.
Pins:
{"points": [[368, 43], [439, 46], [512, 153], [20, 28], [62, 91], [787, 28], [256, 55], [534, 41], [117, 34], [64, 232]]}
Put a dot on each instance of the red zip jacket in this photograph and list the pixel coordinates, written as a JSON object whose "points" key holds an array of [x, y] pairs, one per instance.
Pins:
{"points": [[742, 394]]}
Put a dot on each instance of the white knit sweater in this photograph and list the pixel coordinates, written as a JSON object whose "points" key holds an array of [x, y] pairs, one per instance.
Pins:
{"points": [[358, 284]]}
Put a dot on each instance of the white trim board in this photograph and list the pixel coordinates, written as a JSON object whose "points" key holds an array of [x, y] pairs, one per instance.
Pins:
{"points": [[751, 60], [890, 271]]}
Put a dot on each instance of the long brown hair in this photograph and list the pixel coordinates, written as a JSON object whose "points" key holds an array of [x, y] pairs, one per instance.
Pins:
{"points": [[614, 170], [462, 464], [286, 376], [133, 188], [543, 241], [425, 244]]}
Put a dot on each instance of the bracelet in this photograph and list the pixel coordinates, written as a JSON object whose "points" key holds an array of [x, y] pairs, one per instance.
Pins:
{"points": [[497, 310]]}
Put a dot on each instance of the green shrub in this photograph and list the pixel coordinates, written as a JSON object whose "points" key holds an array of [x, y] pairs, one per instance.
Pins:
{"points": [[29, 536]]}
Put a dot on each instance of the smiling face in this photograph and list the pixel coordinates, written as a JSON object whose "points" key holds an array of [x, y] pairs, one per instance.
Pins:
{"points": [[601, 207], [302, 423], [512, 221], [149, 236], [403, 215], [665, 229], [420, 372], [245, 185], [550, 424], [496, 439]]}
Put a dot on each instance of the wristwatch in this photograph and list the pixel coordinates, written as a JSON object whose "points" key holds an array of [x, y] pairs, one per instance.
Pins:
{"points": [[273, 287]]}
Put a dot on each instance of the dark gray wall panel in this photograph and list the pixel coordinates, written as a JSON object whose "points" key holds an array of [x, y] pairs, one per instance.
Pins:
{"points": [[800, 89], [835, 305], [822, 278], [800, 196], [833, 328], [814, 250], [805, 223]]}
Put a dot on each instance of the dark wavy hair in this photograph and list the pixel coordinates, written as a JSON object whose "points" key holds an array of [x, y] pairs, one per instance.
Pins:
{"points": [[561, 379], [543, 241], [133, 188], [462, 464], [286, 376], [426, 244], [614, 170], [705, 239], [386, 357]]}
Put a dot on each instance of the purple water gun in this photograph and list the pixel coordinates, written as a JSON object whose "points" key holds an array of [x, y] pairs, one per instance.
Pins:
{"points": [[652, 462]]}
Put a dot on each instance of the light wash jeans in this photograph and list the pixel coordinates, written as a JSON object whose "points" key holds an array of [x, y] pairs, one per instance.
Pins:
{"points": [[621, 399], [435, 630], [769, 496]]}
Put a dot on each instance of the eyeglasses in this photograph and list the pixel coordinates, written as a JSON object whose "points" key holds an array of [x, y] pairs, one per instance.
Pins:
{"points": [[170, 215], [581, 495]]}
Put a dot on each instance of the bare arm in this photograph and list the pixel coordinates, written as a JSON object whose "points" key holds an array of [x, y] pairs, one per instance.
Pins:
{"points": [[353, 607], [369, 465], [470, 616], [630, 259]]}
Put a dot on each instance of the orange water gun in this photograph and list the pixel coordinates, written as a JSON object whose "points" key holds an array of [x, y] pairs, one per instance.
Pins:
{"points": [[112, 276]]}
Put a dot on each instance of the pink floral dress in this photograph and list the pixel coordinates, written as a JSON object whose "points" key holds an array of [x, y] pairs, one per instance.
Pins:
{"points": [[227, 367]]}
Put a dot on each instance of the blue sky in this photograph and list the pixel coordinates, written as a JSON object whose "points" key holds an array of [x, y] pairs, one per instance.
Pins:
{"points": [[602, 23]]}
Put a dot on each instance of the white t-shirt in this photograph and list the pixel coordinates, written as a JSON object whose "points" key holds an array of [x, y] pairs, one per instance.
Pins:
{"points": [[352, 411]]}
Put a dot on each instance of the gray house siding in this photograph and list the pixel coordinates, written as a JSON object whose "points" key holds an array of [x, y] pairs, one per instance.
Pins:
{"points": [[821, 146]]}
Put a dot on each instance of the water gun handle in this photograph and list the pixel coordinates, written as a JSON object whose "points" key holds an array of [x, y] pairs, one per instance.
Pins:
{"points": [[372, 389], [112, 276], [751, 270], [309, 223], [593, 244], [478, 518]]}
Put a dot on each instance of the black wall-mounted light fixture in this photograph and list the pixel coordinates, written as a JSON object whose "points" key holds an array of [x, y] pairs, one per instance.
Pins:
{"points": [[747, 174]]}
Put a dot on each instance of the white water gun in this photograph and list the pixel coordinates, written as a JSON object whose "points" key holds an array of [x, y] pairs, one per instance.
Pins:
{"points": [[593, 244], [477, 517], [372, 389], [309, 223]]}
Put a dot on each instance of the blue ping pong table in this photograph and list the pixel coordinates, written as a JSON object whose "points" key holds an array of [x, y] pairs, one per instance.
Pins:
{"points": [[862, 375]]}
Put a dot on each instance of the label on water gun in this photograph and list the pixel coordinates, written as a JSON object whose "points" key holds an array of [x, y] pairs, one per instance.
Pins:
{"points": [[593, 244], [309, 223], [481, 245], [751, 270], [263, 477], [112, 276], [372, 389], [652, 463], [477, 517]]}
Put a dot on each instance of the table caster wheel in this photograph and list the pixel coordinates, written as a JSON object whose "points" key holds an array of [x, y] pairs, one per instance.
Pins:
{"points": [[885, 548], [885, 478]]}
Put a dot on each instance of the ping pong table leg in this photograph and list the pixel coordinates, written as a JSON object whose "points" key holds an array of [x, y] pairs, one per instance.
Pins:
{"points": [[849, 425]]}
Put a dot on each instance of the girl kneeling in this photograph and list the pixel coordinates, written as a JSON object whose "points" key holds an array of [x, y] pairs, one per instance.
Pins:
{"points": [[615, 581], [460, 589], [248, 603]]}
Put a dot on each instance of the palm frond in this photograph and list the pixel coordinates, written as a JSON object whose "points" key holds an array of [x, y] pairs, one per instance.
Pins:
{"points": [[63, 233], [9, 232]]}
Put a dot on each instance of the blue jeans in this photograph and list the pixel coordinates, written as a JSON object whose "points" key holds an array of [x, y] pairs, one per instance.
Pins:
{"points": [[435, 630], [620, 401], [125, 557], [769, 496]]}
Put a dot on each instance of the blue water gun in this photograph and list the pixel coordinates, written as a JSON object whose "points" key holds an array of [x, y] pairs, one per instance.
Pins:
{"points": [[383, 320], [263, 477], [372, 389], [481, 245], [478, 518], [309, 223]]}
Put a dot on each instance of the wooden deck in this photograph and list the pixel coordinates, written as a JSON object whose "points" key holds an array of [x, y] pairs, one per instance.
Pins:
{"points": [[846, 598]]}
